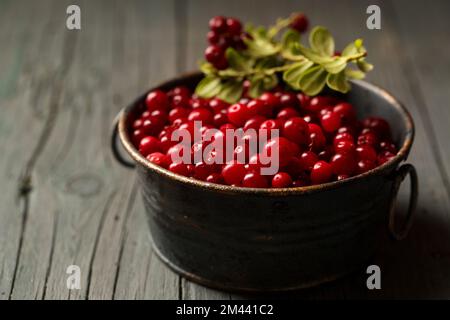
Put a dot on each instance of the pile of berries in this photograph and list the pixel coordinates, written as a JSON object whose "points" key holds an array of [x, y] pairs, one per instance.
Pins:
{"points": [[223, 33], [321, 139]]}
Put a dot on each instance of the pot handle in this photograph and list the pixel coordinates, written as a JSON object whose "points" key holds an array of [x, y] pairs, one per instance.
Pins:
{"points": [[114, 147], [400, 175]]}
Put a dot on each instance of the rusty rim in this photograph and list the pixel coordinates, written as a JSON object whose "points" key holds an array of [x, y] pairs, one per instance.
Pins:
{"points": [[380, 170]]}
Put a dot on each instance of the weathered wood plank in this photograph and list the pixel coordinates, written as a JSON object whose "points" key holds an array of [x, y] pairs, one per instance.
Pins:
{"points": [[24, 89], [150, 42]]}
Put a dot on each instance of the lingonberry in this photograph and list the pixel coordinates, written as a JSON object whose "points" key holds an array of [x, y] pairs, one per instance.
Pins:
{"points": [[387, 146], [282, 148], [317, 138], [218, 24], [366, 152], [180, 168], [159, 159], [213, 37], [156, 99], [300, 23], [254, 122], [201, 114], [233, 173], [254, 180], [368, 138], [281, 180], [288, 99], [215, 178], [321, 172], [217, 105], [287, 113], [346, 111], [297, 130], [344, 146], [178, 113], [220, 119], [238, 114], [331, 121], [343, 163], [213, 53], [307, 160], [379, 125], [234, 26], [149, 145], [364, 166], [181, 101]]}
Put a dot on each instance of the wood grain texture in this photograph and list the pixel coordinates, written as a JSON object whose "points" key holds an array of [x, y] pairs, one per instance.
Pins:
{"points": [[66, 201]]}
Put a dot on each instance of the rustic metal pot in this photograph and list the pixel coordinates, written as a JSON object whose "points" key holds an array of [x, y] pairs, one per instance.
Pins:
{"points": [[273, 239]]}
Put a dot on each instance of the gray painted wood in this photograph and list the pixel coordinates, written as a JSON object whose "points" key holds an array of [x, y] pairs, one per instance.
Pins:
{"points": [[59, 91]]}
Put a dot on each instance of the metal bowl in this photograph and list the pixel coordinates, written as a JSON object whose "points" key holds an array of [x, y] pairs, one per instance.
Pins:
{"points": [[245, 239]]}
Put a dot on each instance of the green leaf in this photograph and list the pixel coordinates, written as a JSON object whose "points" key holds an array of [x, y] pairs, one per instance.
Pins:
{"points": [[266, 63], [354, 74], [207, 68], [338, 82], [231, 91], [237, 61], [321, 41], [256, 87], [293, 74], [364, 66], [209, 87], [270, 81], [350, 50], [260, 47], [313, 80], [290, 38], [313, 56], [336, 65]]}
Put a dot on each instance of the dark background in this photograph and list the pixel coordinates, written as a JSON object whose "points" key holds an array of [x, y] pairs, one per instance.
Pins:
{"points": [[63, 200]]}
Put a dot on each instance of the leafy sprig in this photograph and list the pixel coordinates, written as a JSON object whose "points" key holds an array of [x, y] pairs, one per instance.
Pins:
{"points": [[266, 61]]}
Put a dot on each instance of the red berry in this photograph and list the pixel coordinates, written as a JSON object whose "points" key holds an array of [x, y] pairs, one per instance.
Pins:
{"points": [[342, 177], [297, 130], [238, 114], [343, 163], [307, 160], [270, 100], [379, 125], [218, 105], [156, 99], [213, 37], [281, 180], [159, 159], [254, 123], [180, 100], [179, 168], [317, 138], [282, 148], [213, 53], [321, 172], [215, 178], [233, 173], [138, 135], [287, 113], [300, 23], [345, 110], [367, 138], [384, 156], [178, 113], [288, 100], [220, 119], [254, 180], [366, 152], [149, 145], [218, 24], [344, 146], [234, 26], [201, 114], [330, 121], [364, 166], [388, 146]]}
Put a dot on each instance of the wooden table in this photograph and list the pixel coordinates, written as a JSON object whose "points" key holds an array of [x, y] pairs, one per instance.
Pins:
{"points": [[65, 201]]}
